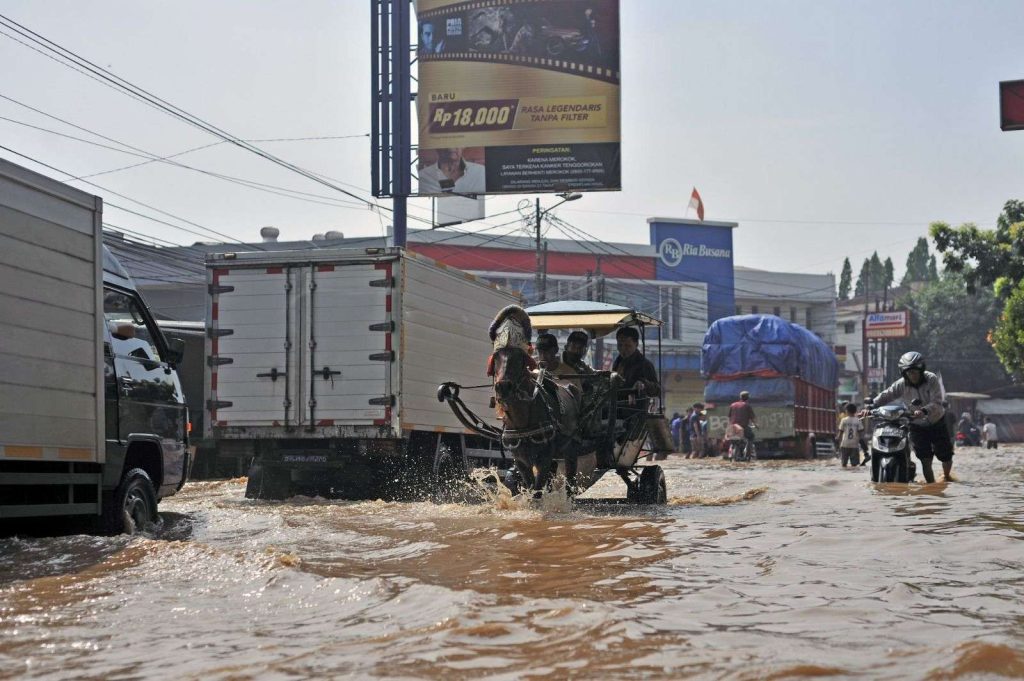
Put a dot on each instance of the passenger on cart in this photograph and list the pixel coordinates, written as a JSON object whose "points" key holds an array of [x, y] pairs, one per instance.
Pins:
{"points": [[576, 351]]}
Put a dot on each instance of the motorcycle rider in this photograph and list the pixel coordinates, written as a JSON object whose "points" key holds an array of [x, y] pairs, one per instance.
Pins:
{"points": [[928, 433]]}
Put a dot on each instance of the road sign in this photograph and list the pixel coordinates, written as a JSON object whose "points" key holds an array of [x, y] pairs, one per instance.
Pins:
{"points": [[875, 374], [895, 324]]}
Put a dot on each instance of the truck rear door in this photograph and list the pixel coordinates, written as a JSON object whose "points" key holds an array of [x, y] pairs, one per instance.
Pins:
{"points": [[253, 352], [347, 369]]}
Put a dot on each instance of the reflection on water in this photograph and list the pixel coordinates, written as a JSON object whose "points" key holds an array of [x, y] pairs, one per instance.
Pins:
{"points": [[765, 570]]}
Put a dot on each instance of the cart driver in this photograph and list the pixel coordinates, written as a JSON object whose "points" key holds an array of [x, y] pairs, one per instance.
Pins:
{"points": [[636, 371]]}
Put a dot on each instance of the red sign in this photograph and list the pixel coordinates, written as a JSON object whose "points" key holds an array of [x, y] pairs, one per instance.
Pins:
{"points": [[1011, 105]]}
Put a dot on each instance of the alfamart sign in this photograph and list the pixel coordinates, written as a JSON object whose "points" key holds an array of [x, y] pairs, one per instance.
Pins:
{"points": [[894, 324], [672, 252]]}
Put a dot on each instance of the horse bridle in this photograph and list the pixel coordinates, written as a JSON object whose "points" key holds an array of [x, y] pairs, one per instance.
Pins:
{"points": [[545, 432]]}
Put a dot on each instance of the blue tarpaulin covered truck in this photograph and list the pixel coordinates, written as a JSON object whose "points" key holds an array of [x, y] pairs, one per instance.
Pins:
{"points": [[790, 373]]}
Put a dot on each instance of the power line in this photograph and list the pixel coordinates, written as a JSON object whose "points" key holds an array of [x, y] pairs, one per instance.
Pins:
{"points": [[137, 92]]}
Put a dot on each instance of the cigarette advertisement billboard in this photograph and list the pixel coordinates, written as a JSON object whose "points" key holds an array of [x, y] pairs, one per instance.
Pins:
{"points": [[518, 96]]}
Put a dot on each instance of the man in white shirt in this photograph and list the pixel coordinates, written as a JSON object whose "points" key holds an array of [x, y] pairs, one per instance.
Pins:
{"points": [[988, 432], [452, 174]]}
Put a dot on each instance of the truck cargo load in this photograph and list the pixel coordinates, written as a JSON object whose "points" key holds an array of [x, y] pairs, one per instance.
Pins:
{"points": [[790, 373]]}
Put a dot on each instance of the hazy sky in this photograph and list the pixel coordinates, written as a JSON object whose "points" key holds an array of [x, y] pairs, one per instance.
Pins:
{"points": [[824, 128]]}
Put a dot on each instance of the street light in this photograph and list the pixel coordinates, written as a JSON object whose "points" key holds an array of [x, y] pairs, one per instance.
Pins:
{"points": [[565, 196]]}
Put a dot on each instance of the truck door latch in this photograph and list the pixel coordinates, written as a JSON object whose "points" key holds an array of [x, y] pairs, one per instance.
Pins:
{"points": [[329, 375], [272, 374]]}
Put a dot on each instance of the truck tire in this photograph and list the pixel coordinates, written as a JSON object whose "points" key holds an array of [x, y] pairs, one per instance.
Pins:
{"points": [[273, 485], [651, 488], [132, 505]]}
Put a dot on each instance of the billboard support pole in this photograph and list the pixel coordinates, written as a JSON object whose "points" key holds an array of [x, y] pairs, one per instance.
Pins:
{"points": [[391, 105]]}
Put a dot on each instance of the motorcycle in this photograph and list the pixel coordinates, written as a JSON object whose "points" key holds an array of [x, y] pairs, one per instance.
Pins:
{"points": [[890, 444], [968, 436], [741, 448]]}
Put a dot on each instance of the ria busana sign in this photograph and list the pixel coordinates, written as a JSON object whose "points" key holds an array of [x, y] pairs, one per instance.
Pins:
{"points": [[895, 324]]}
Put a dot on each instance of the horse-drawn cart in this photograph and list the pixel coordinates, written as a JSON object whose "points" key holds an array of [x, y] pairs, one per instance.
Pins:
{"points": [[580, 426]]}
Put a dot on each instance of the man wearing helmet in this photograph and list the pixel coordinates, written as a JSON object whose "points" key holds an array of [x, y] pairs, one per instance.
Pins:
{"points": [[928, 433]]}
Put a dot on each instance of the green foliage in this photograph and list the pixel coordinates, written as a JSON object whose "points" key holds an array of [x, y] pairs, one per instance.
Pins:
{"points": [[917, 263], [1008, 337], [951, 327], [889, 273], [874, 278], [992, 260], [845, 280]]}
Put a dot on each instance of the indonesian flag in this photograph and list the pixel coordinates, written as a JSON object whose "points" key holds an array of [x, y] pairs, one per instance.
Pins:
{"points": [[697, 204]]}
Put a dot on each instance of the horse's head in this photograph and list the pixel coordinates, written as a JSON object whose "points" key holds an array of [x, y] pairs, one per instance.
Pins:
{"points": [[511, 375]]}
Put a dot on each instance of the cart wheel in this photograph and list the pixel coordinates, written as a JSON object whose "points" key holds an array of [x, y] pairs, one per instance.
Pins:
{"points": [[651, 488]]}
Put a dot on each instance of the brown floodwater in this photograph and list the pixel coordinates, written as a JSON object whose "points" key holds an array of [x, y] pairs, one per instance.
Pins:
{"points": [[753, 571]]}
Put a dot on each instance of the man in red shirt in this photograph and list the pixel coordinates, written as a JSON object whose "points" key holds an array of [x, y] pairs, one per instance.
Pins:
{"points": [[742, 414]]}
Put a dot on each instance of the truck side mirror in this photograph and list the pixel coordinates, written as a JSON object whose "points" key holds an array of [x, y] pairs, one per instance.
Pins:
{"points": [[175, 351]]}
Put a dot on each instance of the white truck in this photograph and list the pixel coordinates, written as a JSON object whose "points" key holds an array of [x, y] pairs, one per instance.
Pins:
{"points": [[324, 366], [92, 417]]}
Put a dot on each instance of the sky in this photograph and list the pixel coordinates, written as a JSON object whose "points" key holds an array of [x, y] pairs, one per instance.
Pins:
{"points": [[823, 128]]}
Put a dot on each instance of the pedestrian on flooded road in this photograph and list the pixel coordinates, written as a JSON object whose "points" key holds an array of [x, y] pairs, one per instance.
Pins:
{"points": [[676, 425], [988, 433], [696, 432], [849, 436]]}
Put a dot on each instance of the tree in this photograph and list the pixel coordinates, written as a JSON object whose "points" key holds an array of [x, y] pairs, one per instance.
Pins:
{"points": [[845, 280], [951, 327], [889, 274], [933, 269], [877, 274], [992, 260], [863, 279], [917, 263]]}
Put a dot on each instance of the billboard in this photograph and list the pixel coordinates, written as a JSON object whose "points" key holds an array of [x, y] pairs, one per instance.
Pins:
{"points": [[518, 97], [894, 324], [1011, 105]]}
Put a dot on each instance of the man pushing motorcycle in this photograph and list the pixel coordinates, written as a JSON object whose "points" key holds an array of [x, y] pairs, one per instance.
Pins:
{"points": [[929, 435]]}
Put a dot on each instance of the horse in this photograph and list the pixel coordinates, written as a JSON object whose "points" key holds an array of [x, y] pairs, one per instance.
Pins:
{"points": [[539, 416]]}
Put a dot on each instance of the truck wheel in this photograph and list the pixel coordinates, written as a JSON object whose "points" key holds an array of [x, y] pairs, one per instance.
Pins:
{"points": [[132, 505], [272, 484], [651, 488]]}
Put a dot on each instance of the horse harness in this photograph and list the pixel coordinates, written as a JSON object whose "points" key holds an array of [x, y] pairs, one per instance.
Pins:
{"points": [[546, 431]]}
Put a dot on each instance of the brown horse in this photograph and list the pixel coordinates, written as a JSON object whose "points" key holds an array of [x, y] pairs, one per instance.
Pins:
{"points": [[539, 420]]}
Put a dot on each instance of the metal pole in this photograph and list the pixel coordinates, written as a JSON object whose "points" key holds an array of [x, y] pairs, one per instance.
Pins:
{"points": [[400, 105], [375, 97], [536, 281]]}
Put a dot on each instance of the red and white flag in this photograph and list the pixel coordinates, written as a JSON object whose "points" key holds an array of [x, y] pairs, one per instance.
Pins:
{"points": [[697, 204]]}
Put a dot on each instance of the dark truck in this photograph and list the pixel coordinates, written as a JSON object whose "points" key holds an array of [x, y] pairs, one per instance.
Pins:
{"points": [[790, 373], [92, 417]]}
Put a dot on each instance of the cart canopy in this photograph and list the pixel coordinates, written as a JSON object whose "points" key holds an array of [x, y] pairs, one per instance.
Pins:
{"points": [[598, 319]]}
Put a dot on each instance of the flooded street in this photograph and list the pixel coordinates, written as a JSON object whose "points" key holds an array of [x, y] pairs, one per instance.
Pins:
{"points": [[753, 571]]}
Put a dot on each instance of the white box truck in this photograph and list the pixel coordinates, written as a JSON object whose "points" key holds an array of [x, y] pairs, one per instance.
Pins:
{"points": [[92, 418], [323, 366]]}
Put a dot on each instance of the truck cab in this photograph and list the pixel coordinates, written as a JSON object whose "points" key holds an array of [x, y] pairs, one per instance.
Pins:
{"points": [[146, 416]]}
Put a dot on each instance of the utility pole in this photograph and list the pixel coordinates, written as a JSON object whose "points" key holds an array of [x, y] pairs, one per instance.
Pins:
{"points": [[599, 343], [537, 277], [864, 334]]}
